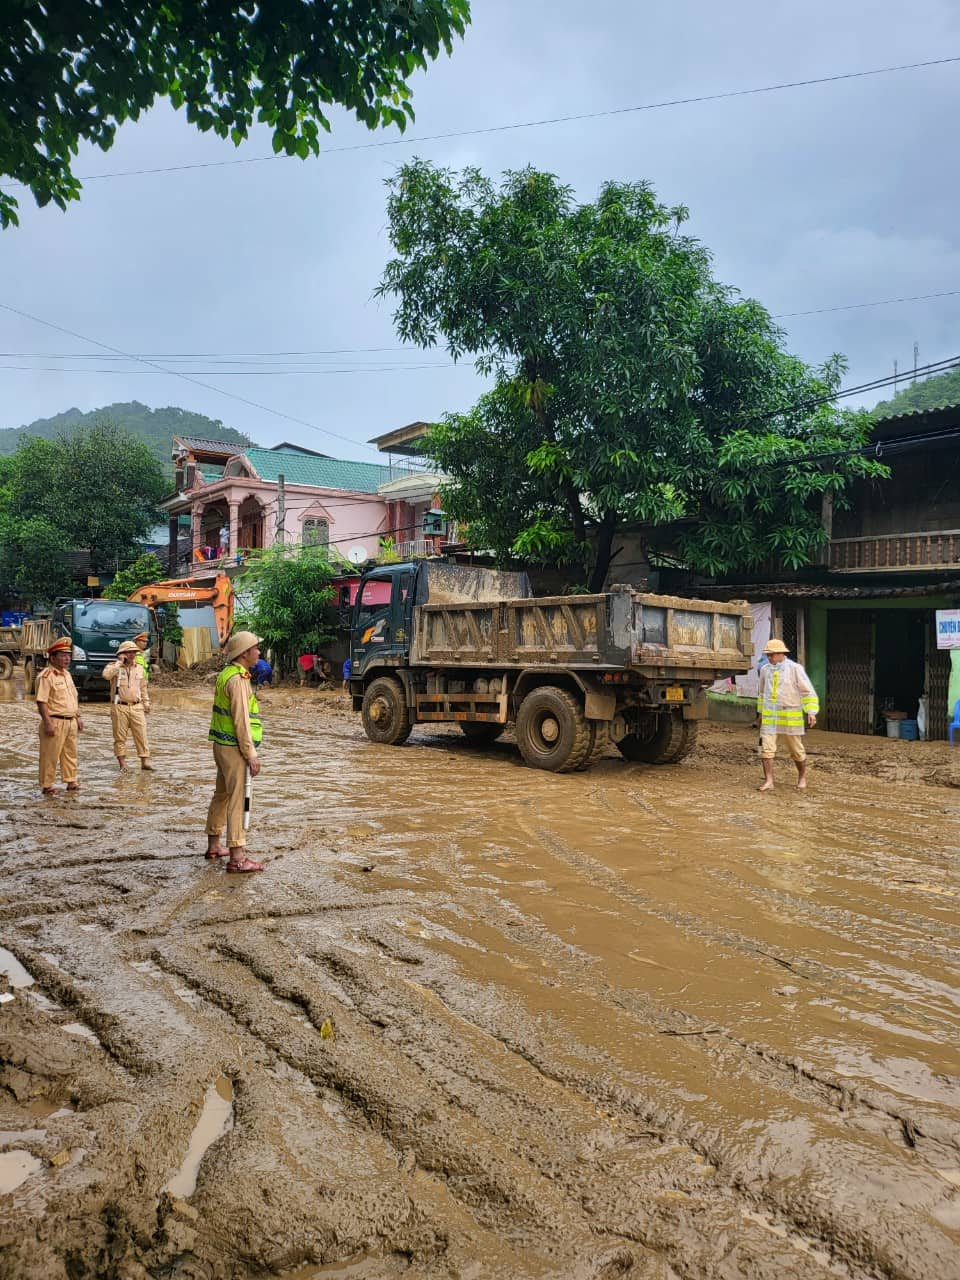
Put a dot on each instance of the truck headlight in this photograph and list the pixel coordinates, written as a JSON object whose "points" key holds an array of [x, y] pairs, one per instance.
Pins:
{"points": [[79, 655]]}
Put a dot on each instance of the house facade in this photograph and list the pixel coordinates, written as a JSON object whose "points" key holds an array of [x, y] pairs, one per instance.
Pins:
{"points": [[863, 621], [234, 500]]}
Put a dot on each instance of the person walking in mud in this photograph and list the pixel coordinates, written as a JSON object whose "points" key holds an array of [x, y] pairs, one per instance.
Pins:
{"points": [[60, 721], [786, 699], [129, 704], [235, 732]]}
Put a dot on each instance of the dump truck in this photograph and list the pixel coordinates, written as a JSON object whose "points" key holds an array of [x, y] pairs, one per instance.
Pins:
{"points": [[96, 628], [9, 651], [440, 643]]}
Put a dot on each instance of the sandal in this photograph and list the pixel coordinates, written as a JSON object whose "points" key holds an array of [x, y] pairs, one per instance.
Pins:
{"points": [[245, 864], [213, 855]]}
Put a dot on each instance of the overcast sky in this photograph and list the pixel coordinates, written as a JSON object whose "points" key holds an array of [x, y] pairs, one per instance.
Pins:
{"points": [[808, 198]]}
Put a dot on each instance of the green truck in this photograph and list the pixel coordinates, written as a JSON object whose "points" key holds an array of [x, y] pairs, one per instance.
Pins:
{"points": [[433, 642], [96, 629]]}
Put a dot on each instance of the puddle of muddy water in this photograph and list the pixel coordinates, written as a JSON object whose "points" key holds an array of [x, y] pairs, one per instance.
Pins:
{"points": [[216, 1119], [13, 970], [15, 1168]]}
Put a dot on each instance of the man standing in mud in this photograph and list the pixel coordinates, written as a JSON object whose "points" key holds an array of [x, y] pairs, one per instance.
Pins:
{"points": [[129, 704], [60, 722], [786, 698], [235, 732]]}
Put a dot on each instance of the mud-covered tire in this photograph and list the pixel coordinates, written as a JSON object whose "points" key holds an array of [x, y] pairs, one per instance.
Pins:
{"points": [[480, 733], [6, 667], [552, 731], [29, 677], [385, 714], [599, 743], [667, 740]]}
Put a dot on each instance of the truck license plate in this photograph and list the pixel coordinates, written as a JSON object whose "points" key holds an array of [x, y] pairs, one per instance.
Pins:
{"points": [[674, 693]]}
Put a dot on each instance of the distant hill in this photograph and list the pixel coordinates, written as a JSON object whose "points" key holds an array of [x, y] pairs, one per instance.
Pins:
{"points": [[935, 393], [156, 427]]}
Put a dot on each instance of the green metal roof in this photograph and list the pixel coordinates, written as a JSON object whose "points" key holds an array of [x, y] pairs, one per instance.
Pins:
{"points": [[321, 473]]}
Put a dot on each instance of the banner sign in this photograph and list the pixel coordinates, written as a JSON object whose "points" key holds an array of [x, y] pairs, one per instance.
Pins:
{"points": [[948, 628]]}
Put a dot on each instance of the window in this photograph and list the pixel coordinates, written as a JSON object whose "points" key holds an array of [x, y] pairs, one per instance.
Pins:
{"points": [[376, 594], [316, 533]]}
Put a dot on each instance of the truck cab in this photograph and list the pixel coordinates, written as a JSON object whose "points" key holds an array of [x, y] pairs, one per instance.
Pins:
{"points": [[382, 616], [96, 629]]}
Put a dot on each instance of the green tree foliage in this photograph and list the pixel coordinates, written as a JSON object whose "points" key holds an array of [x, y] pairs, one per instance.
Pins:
{"points": [[285, 596], [96, 491], [74, 70], [630, 387], [935, 393], [146, 568], [155, 427]]}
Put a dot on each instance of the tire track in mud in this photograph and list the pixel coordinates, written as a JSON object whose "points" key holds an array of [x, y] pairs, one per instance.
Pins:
{"points": [[497, 1192]]}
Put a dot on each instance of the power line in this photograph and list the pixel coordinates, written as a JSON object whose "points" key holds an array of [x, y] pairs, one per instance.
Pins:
{"points": [[538, 124], [858, 306], [236, 373], [186, 377]]}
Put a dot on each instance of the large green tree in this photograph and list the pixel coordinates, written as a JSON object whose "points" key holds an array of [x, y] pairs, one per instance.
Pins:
{"points": [[74, 70], [630, 387], [96, 492], [285, 597]]}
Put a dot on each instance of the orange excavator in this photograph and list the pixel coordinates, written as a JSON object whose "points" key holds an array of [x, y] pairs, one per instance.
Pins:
{"points": [[216, 591]]}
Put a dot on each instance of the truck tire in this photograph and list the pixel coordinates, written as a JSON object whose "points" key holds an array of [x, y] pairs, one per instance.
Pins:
{"points": [[6, 667], [661, 739], [29, 677], [599, 743], [552, 731], [386, 717], [480, 733]]}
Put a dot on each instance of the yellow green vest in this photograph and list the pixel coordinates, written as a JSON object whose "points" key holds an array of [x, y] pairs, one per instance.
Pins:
{"points": [[143, 661], [222, 728]]}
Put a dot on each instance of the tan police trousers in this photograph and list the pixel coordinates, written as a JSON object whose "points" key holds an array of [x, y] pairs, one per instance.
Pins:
{"points": [[227, 802], [127, 718], [60, 749]]}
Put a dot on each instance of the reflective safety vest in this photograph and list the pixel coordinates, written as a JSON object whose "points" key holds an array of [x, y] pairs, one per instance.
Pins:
{"points": [[143, 661], [786, 698], [222, 728]]}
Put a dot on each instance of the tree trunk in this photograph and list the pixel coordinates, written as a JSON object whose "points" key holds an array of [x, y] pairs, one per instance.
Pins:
{"points": [[605, 534]]}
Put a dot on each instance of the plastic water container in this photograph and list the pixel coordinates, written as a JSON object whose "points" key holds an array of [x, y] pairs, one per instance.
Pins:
{"points": [[893, 728], [910, 730]]}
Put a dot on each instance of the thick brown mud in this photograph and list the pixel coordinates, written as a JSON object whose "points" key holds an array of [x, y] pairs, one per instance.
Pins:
{"points": [[475, 1020]]}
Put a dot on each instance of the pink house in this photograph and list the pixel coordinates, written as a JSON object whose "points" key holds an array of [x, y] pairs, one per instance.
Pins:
{"points": [[244, 498]]}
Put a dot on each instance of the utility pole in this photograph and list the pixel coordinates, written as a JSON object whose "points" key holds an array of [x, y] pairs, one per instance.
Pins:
{"points": [[281, 510], [894, 377], [916, 361]]}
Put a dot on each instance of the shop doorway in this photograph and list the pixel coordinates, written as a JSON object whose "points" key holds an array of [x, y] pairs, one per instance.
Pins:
{"points": [[901, 653], [850, 666]]}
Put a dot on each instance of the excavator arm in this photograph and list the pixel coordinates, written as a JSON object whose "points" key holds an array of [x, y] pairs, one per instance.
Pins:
{"points": [[217, 592]]}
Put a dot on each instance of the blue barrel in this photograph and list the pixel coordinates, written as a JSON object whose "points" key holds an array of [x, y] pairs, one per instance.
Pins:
{"points": [[909, 730]]}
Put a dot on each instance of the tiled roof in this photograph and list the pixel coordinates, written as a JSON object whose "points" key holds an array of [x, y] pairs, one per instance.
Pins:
{"points": [[319, 473], [824, 591], [210, 446]]}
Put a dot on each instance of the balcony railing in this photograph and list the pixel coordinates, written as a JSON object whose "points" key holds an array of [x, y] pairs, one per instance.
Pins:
{"points": [[417, 549], [890, 552]]}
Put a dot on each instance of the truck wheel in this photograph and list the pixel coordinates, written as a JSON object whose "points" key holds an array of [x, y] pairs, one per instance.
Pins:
{"points": [[552, 731], [386, 717], [660, 739], [6, 667], [29, 678], [599, 742], [481, 733]]}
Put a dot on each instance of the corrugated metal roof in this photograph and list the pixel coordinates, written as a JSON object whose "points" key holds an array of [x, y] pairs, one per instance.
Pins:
{"points": [[916, 421], [319, 473]]}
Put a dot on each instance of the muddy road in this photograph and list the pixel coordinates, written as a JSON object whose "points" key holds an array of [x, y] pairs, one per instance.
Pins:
{"points": [[477, 1021]]}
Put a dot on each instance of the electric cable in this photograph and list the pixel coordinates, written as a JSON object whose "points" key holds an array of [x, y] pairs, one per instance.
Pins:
{"points": [[539, 124]]}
